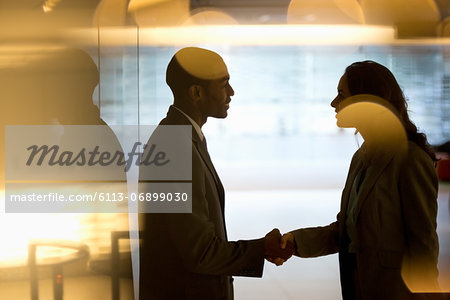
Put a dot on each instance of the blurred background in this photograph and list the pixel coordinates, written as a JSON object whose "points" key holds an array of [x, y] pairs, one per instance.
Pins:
{"points": [[279, 153]]}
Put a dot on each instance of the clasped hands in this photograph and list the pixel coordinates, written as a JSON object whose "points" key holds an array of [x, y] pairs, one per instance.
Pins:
{"points": [[277, 248]]}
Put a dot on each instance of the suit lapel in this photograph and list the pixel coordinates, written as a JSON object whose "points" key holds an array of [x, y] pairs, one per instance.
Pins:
{"points": [[378, 167], [203, 151], [207, 160], [174, 117], [354, 170]]}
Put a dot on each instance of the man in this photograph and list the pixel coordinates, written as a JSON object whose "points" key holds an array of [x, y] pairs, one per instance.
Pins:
{"points": [[187, 255]]}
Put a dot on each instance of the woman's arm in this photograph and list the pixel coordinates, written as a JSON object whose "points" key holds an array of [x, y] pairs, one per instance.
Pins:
{"points": [[314, 241], [418, 191]]}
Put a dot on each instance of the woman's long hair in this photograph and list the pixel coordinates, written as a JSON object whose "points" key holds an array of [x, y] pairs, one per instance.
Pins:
{"points": [[369, 77]]}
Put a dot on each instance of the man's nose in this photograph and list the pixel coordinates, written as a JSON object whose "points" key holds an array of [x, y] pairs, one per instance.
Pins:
{"points": [[230, 90]]}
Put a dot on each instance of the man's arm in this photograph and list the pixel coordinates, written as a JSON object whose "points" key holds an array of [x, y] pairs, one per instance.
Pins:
{"points": [[200, 237]]}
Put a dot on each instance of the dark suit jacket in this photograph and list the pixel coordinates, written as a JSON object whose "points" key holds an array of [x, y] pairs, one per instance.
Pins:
{"points": [[188, 256], [395, 228]]}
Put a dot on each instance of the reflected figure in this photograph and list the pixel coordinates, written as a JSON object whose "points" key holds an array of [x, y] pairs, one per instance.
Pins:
{"points": [[50, 87], [385, 232], [188, 255], [55, 87], [66, 80]]}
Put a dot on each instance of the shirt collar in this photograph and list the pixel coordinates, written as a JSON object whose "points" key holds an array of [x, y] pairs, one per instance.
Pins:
{"points": [[194, 124]]}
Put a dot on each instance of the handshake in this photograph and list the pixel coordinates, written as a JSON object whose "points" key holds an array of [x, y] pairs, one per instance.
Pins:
{"points": [[277, 248]]}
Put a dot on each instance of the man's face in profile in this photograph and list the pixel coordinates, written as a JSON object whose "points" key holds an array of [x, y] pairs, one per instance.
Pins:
{"points": [[217, 97]]}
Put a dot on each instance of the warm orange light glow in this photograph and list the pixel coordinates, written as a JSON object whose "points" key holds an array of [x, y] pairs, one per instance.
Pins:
{"points": [[49, 4], [412, 18], [268, 35], [134, 5], [325, 12], [160, 13], [390, 12], [20, 229], [376, 120], [209, 17], [46, 8], [249, 35], [22, 54], [202, 63]]}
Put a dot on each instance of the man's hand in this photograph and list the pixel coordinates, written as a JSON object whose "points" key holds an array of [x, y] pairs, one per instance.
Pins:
{"points": [[273, 250]]}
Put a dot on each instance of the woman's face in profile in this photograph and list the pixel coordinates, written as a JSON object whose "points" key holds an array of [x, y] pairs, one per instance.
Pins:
{"points": [[343, 93]]}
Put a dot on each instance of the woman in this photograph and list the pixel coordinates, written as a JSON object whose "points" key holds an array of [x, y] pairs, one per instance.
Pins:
{"points": [[385, 232]]}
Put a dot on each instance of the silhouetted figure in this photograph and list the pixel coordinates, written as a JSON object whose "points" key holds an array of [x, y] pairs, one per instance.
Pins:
{"points": [[55, 87], [385, 232], [187, 255]]}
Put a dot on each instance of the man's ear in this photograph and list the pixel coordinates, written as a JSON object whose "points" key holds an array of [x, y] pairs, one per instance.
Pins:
{"points": [[195, 92]]}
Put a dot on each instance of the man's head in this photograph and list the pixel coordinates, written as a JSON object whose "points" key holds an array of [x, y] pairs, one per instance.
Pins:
{"points": [[198, 79]]}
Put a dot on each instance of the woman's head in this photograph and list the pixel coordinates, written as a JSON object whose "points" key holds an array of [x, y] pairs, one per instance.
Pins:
{"points": [[369, 77]]}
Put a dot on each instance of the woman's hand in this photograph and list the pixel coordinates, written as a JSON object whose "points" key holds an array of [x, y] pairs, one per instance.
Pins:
{"points": [[287, 238]]}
